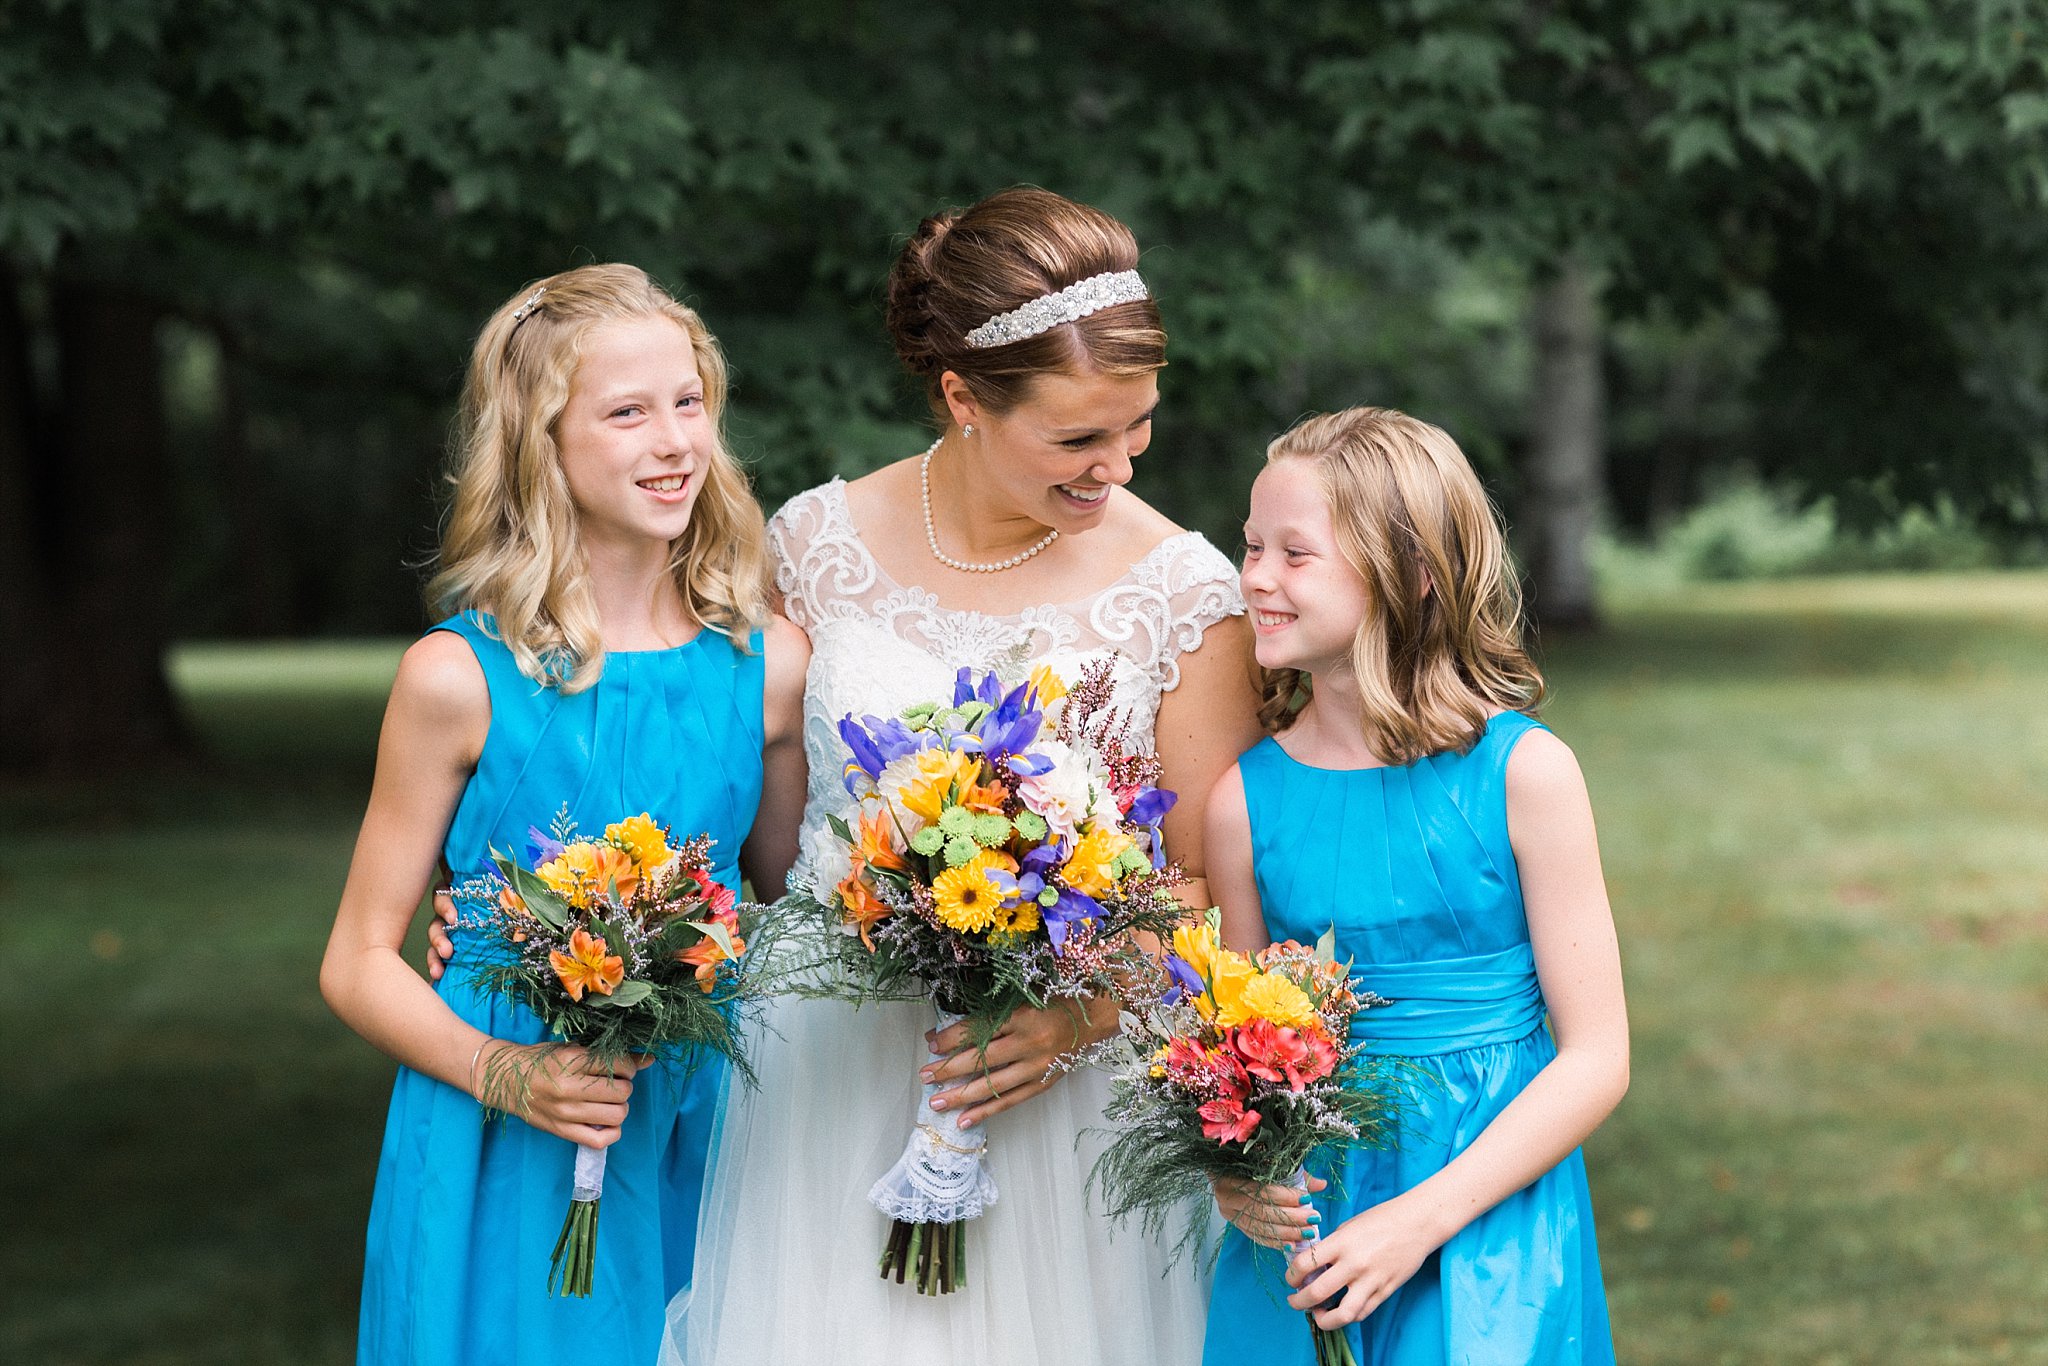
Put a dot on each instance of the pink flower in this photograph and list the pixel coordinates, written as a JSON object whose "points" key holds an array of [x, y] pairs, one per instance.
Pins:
{"points": [[717, 893], [1227, 1121], [1276, 1053]]}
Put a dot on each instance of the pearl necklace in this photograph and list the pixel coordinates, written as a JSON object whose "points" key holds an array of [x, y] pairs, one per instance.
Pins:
{"points": [[931, 532]]}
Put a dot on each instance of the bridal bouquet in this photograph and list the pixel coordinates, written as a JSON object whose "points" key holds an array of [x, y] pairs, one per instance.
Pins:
{"points": [[624, 945], [1005, 852], [1241, 1068]]}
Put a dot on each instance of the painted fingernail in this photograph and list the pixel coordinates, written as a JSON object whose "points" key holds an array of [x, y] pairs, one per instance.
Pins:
{"points": [[939, 1103], [925, 1075]]}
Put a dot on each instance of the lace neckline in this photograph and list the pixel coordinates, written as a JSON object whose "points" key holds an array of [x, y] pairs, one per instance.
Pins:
{"points": [[839, 517]]}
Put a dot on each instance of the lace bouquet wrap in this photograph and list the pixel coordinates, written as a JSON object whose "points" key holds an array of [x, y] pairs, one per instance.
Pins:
{"points": [[1239, 1070], [1005, 851], [624, 945]]}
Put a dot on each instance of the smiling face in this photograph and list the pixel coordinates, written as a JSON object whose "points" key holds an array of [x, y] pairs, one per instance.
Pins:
{"points": [[634, 436], [1305, 599], [1057, 457]]}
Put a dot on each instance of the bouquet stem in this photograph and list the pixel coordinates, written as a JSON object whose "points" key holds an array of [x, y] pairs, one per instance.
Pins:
{"points": [[575, 1257], [1332, 1347], [934, 1255]]}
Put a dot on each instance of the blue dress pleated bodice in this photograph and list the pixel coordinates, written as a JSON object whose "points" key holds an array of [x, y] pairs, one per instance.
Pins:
{"points": [[466, 1213], [1413, 866]]}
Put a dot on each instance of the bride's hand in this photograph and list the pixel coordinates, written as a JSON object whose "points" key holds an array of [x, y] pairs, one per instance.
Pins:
{"points": [[440, 946], [1019, 1061]]}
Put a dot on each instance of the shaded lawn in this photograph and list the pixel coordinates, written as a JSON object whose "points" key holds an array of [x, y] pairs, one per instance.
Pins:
{"points": [[1822, 805]]}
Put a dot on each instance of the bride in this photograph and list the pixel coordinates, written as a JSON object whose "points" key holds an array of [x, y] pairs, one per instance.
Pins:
{"points": [[1010, 542]]}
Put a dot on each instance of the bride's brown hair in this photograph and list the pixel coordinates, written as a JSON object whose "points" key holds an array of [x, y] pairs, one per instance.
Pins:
{"points": [[961, 268], [1431, 666]]}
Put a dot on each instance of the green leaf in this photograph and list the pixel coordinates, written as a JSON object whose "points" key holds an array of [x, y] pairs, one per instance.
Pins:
{"points": [[1326, 947], [717, 934], [624, 995], [839, 827], [540, 898]]}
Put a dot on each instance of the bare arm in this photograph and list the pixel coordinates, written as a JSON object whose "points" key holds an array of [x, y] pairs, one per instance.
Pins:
{"points": [[1227, 842], [1578, 963], [1209, 719], [434, 729], [771, 848]]}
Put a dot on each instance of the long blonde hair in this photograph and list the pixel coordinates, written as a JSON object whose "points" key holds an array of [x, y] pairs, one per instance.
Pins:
{"points": [[1408, 511], [512, 546]]}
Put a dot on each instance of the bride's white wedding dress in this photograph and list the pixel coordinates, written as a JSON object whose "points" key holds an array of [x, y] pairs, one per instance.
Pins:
{"points": [[788, 1244]]}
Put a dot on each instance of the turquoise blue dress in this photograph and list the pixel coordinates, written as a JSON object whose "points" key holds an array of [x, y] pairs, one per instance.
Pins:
{"points": [[465, 1214], [1412, 865]]}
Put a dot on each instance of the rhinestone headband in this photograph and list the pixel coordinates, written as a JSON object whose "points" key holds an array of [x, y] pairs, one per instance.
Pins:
{"points": [[532, 305], [1071, 304]]}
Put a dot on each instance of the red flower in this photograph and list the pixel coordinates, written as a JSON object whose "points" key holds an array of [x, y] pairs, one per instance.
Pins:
{"points": [[717, 893], [1227, 1121], [1276, 1053]]}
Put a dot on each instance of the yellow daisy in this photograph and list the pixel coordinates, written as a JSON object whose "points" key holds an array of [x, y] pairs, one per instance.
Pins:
{"points": [[583, 870], [1269, 996], [965, 898], [640, 837]]}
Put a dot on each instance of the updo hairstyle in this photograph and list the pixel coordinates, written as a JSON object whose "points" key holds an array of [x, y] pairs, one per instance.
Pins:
{"points": [[962, 268]]}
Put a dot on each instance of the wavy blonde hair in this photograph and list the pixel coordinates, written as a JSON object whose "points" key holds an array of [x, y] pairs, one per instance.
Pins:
{"points": [[1430, 667], [512, 545]]}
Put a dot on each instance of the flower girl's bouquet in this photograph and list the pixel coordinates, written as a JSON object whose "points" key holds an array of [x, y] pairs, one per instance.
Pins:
{"points": [[1005, 853], [1240, 1069], [624, 945]]}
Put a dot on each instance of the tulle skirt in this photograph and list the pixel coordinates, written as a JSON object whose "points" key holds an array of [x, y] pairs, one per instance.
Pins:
{"points": [[788, 1245]]}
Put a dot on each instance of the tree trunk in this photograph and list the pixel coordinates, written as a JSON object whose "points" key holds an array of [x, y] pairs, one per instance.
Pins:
{"points": [[107, 702], [1568, 452], [25, 617]]}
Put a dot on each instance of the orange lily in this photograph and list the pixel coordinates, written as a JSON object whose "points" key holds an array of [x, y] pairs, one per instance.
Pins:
{"points": [[587, 967]]}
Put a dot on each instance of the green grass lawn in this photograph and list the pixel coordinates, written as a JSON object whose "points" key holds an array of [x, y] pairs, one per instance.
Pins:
{"points": [[1824, 806]]}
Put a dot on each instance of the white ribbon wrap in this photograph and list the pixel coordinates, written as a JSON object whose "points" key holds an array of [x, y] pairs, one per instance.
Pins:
{"points": [[589, 1183], [940, 1179]]}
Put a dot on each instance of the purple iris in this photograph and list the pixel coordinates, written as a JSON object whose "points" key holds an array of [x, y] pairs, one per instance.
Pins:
{"points": [[1148, 809], [1012, 722], [1029, 880], [541, 847], [1072, 906], [1186, 981], [874, 743]]}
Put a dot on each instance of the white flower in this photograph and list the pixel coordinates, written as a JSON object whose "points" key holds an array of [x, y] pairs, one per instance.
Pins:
{"points": [[1069, 794], [830, 860]]}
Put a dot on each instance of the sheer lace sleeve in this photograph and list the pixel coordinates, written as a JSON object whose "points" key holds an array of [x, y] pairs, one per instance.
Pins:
{"points": [[818, 561], [1173, 595]]}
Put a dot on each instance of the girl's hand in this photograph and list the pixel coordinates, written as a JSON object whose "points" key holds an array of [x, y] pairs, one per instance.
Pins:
{"points": [[1018, 1063], [561, 1090], [1368, 1258], [1271, 1216], [440, 946]]}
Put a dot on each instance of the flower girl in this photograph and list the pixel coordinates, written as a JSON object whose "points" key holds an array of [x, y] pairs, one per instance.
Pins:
{"points": [[1414, 804], [611, 653]]}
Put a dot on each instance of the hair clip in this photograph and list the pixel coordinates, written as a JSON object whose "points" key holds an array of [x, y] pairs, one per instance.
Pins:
{"points": [[532, 305]]}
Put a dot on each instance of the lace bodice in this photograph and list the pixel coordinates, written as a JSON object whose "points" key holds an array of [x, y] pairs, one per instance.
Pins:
{"points": [[877, 646]]}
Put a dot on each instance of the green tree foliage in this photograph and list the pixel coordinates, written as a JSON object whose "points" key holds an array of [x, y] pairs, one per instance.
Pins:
{"points": [[289, 219]]}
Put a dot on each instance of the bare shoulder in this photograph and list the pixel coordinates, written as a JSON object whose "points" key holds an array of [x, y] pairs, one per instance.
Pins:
{"points": [[1543, 763], [439, 675], [1226, 798], [440, 697], [1143, 527]]}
